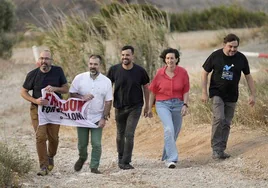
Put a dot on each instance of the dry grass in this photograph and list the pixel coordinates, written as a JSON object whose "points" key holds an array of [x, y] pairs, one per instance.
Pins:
{"points": [[13, 163], [72, 37]]}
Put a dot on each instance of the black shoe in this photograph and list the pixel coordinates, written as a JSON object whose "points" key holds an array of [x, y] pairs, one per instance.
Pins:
{"points": [[125, 166], [220, 155], [79, 164], [95, 171], [120, 157]]}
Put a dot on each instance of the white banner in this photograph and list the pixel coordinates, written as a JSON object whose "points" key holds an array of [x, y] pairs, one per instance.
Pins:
{"points": [[71, 112]]}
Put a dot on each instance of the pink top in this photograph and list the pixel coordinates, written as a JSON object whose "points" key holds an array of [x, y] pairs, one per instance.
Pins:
{"points": [[166, 88]]}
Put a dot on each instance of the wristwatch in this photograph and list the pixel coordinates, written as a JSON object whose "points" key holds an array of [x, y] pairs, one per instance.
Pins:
{"points": [[185, 104]]}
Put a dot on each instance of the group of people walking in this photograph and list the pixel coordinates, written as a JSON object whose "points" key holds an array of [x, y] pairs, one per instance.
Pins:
{"points": [[129, 87]]}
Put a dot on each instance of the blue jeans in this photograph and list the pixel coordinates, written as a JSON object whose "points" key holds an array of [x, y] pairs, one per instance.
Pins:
{"points": [[169, 111], [126, 122]]}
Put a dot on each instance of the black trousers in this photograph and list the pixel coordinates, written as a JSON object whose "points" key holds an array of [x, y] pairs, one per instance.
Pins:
{"points": [[126, 121]]}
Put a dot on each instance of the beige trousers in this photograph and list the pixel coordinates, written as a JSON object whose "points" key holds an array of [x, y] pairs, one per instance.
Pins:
{"points": [[44, 133]]}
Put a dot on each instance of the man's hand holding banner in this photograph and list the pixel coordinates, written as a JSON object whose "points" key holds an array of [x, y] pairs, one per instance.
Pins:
{"points": [[71, 112]]}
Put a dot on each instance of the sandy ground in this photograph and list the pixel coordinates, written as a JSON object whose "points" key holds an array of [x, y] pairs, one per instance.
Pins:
{"points": [[248, 166]]}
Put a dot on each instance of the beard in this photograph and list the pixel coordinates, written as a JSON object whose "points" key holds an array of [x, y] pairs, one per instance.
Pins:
{"points": [[93, 72], [45, 67], [126, 61]]}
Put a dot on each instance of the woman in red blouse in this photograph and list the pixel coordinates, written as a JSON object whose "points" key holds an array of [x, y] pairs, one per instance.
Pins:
{"points": [[170, 89]]}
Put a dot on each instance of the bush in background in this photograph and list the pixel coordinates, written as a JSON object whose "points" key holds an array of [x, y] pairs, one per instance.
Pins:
{"points": [[6, 44], [215, 18], [143, 27], [13, 164], [7, 18], [72, 37]]}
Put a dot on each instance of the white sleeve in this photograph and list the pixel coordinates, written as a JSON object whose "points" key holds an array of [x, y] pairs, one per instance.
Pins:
{"points": [[109, 93], [74, 88]]}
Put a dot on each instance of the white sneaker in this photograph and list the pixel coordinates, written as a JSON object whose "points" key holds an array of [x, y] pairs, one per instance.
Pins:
{"points": [[170, 164]]}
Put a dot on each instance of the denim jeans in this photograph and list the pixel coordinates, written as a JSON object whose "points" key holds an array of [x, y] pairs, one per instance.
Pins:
{"points": [[126, 122], [83, 138], [223, 113], [44, 133], [169, 111]]}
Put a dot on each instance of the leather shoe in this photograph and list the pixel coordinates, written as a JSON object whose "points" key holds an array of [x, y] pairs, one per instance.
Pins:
{"points": [[95, 171], [125, 166], [79, 164], [220, 155]]}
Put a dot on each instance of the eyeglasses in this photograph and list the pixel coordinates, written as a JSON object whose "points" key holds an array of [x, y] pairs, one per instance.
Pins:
{"points": [[44, 58]]}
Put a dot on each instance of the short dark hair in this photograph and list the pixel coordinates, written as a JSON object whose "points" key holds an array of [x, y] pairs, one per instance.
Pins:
{"points": [[128, 47], [231, 37], [95, 57], [170, 50]]}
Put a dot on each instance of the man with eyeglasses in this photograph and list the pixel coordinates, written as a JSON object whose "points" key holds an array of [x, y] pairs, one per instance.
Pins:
{"points": [[51, 78]]}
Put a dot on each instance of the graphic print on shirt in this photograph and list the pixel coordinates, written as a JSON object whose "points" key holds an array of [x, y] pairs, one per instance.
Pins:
{"points": [[227, 74]]}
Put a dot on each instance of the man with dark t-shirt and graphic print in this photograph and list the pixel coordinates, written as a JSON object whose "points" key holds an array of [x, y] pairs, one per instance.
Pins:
{"points": [[226, 65], [130, 86], [52, 79]]}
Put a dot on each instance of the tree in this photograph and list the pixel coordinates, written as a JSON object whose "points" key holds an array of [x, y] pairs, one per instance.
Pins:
{"points": [[7, 19]]}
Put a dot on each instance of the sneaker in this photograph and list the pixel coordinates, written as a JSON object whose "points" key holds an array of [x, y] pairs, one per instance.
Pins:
{"points": [[95, 171], [220, 155], [170, 164], [43, 171], [125, 166], [50, 163], [79, 164]]}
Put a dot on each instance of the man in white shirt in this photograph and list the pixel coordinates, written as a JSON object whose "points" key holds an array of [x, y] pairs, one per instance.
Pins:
{"points": [[94, 87]]}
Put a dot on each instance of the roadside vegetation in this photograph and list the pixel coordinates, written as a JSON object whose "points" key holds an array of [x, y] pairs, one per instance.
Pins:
{"points": [[72, 37], [216, 18], [14, 163], [7, 18]]}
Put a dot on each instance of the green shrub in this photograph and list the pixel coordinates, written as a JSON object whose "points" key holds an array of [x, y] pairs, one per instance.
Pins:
{"points": [[7, 15], [217, 18], [72, 37], [7, 18], [145, 31], [6, 44], [108, 11], [13, 162]]}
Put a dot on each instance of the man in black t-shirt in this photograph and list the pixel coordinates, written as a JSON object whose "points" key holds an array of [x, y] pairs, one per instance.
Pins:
{"points": [[52, 79], [130, 85], [226, 65]]}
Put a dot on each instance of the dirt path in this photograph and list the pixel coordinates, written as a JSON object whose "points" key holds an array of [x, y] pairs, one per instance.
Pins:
{"points": [[247, 167]]}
